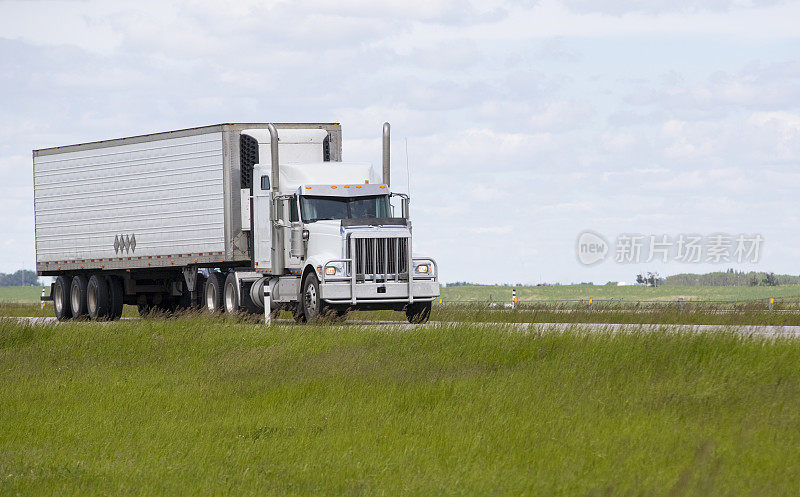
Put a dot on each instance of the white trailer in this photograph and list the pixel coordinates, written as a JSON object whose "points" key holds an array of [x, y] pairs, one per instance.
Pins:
{"points": [[215, 216]]}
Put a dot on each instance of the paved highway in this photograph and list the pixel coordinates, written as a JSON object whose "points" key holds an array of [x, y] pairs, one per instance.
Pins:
{"points": [[748, 330]]}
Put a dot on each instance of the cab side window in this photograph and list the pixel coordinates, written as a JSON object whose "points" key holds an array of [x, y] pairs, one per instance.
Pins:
{"points": [[293, 216]]}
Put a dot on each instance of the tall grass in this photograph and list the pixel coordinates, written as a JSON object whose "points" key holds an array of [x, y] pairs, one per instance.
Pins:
{"points": [[211, 406]]}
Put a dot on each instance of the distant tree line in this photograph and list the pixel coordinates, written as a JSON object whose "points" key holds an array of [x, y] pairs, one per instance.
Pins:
{"points": [[23, 277], [732, 278], [649, 279]]}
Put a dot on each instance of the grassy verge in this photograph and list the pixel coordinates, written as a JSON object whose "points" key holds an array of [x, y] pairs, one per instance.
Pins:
{"points": [[21, 294], [200, 406]]}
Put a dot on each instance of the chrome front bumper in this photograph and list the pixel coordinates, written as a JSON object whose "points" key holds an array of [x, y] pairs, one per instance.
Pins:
{"points": [[343, 292], [347, 290]]}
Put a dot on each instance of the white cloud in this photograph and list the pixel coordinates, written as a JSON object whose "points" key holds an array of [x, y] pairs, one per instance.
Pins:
{"points": [[495, 230], [536, 119]]}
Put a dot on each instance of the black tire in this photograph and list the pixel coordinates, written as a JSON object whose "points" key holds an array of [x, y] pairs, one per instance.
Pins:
{"points": [[231, 295], [77, 295], [199, 292], [61, 300], [298, 314], [116, 296], [98, 300], [144, 306], [156, 303], [213, 295], [341, 313], [311, 301], [418, 312]]}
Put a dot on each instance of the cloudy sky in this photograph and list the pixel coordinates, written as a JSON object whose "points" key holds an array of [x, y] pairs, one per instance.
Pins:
{"points": [[527, 122]]}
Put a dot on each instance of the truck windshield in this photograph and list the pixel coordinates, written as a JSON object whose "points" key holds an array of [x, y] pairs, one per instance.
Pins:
{"points": [[319, 208]]}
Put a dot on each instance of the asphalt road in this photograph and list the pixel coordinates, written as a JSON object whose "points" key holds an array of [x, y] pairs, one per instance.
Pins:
{"points": [[745, 330]]}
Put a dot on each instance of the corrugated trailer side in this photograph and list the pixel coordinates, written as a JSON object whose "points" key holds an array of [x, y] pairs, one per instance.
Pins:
{"points": [[150, 201], [160, 200]]}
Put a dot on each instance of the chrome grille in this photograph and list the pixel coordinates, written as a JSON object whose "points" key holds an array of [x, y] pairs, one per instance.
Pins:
{"points": [[380, 258]]}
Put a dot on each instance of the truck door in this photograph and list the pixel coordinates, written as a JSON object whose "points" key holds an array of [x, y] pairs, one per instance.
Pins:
{"points": [[262, 226]]}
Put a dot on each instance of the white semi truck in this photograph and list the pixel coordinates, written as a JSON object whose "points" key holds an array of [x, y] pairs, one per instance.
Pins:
{"points": [[209, 216]]}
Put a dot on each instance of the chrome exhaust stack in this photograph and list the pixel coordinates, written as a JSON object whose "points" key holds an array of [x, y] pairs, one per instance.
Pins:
{"points": [[273, 153], [386, 129], [278, 263]]}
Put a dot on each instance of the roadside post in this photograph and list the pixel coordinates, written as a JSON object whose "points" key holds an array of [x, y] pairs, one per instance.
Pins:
{"points": [[591, 302], [267, 304], [513, 298], [42, 298], [771, 303]]}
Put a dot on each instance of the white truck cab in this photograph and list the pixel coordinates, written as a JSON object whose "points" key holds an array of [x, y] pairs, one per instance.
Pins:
{"points": [[327, 238]]}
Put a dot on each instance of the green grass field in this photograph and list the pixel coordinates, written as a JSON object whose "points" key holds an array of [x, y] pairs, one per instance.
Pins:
{"points": [[21, 294], [627, 293], [201, 406]]}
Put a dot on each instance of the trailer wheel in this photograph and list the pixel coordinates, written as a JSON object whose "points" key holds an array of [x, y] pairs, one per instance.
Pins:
{"points": [[312, 303], [214, 291], [231, 297], [98, 298], [77, 295], [418, 312], [144, 305], [116, 297], [199, 292], [61, 300]]}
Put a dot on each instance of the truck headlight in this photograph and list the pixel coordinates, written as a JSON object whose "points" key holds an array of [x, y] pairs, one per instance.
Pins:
{"points": [[423, 268], [334, 269]]}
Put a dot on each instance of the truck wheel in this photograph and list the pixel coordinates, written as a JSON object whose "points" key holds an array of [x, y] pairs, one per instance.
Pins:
{"points": [[116, 297], [418, 312], [312, 303], [214, 292], [341, 313], [61, 300], [77, 296], [144, 305], [231, 297], [97, 298], [298, 314], [199, 292]]}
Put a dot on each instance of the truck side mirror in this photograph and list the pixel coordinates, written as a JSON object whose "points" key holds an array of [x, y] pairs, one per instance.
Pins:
{"points": [[265, 183]]}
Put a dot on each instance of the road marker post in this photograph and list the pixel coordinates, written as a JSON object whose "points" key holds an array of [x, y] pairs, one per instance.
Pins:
{"points": [[513, 298], [267, 304], [43, 301], [771, 302], [591, 302]]}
